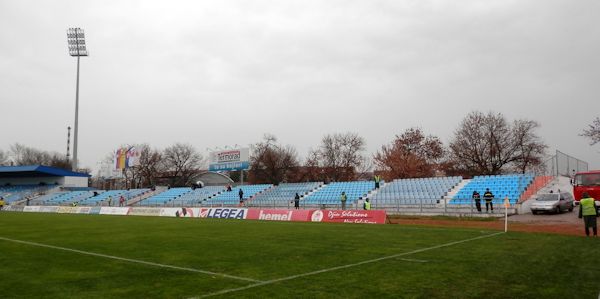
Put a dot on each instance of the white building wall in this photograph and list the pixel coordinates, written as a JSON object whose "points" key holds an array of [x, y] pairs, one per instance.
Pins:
{"points": [[75, 181]]}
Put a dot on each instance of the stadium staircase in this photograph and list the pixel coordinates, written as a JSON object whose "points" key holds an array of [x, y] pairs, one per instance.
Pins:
{"points": [[143, 196], [537, 184], [541, 185], [454, 191]]}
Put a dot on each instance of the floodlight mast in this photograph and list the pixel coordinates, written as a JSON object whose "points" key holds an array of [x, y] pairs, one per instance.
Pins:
{"points": [[77, 48]]}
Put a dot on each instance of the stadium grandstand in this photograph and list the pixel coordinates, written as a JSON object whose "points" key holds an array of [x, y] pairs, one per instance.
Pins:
{"points": [[45, 186], [22, 183]]}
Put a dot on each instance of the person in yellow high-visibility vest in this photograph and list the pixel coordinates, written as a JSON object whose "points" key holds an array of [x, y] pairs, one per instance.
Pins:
{"points": [[343, 199], [377, 180], [367, 205], [587, 211], [1, 203]]}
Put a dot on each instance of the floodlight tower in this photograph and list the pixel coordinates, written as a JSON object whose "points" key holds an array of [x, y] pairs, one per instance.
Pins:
{"points": [[76, 41]]}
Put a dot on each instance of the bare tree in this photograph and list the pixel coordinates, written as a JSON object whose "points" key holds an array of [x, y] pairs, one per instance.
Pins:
{"points": [[593, 131], [3, 158], [272, 162], [530, 148], [340, 156], [25, 155], [182, 162], [410, 155], [488, 144], [150, 166]]}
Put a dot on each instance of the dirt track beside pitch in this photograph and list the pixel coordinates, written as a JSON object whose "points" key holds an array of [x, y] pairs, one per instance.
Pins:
{"points": [[565, 224]]}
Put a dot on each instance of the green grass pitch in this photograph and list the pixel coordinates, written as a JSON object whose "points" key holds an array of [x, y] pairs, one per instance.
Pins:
{"points": [[512, 265]]}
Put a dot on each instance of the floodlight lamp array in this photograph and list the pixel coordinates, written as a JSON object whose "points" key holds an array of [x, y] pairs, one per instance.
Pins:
{"points": [[76, 41]]}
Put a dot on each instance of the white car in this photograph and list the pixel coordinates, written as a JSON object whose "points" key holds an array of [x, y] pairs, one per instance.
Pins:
{"points": [[553, 202]]}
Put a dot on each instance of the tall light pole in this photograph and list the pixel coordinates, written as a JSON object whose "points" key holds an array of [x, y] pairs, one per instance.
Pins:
{"points": [[76, 41]]}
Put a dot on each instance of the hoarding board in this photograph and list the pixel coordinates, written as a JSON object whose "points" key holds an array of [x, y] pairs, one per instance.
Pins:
{"points": [[229, 160]]}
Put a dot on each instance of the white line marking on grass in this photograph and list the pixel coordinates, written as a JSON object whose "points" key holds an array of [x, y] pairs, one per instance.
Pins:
{"points": [[130, 260], [267, 282], [414, 260]]}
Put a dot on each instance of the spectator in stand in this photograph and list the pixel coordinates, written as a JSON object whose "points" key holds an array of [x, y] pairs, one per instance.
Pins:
{"points": [[297, 201], [228, 188], [241, 194], [343, 199], [587, 211], [109, 200], [1, 203], [488, 196], [121, 201], [477, 199]]}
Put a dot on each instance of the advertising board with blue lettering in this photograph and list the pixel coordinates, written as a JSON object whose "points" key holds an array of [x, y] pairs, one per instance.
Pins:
{"points": [[223, 213], [229, 160]]}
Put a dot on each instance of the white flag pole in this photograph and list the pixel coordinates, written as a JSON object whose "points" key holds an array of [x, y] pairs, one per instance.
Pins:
{"points": [[506, 204]]}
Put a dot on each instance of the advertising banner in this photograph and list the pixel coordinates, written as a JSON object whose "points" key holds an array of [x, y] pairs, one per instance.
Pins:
{"points": [[223, 213], [31, 209], [13, 208], [179, 212], [279, 215], [95, 210], [145, 211], [229, 160], [83, 210], [48, 209], [349, 216], [66, 210], [114, 211]]}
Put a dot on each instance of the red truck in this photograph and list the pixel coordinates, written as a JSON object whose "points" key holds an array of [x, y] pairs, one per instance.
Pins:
{"points": [[589, 182]]}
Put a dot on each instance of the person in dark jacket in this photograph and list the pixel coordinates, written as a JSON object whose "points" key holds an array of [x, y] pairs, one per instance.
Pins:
{"points": [[477, 200], [488, 196], [297, 202], [241, 193]]}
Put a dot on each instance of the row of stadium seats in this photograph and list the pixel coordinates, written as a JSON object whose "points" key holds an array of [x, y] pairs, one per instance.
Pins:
{"points": [[14, 193], [232, 197], [86, 198], [331, 193], [423, 191], [397, 192], [197, 196], [165, 197], [284, 193], [511, 186]]}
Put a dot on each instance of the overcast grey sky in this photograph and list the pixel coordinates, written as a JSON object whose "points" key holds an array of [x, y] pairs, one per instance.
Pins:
{"points": [[216, 73]]}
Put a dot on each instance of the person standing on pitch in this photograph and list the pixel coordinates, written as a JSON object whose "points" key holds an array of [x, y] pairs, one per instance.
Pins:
{"points": [[587, 211], [343, 199], [477, 200], [377, 180], [297, 201], [488, 196]]}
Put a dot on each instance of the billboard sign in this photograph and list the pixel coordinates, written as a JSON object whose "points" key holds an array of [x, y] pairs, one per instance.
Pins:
{"points": [[229, 160], [126, 158]]}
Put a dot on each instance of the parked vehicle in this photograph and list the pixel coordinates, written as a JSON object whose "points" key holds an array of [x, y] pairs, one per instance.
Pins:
{"points": [[589, 182], [553, 203]]}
